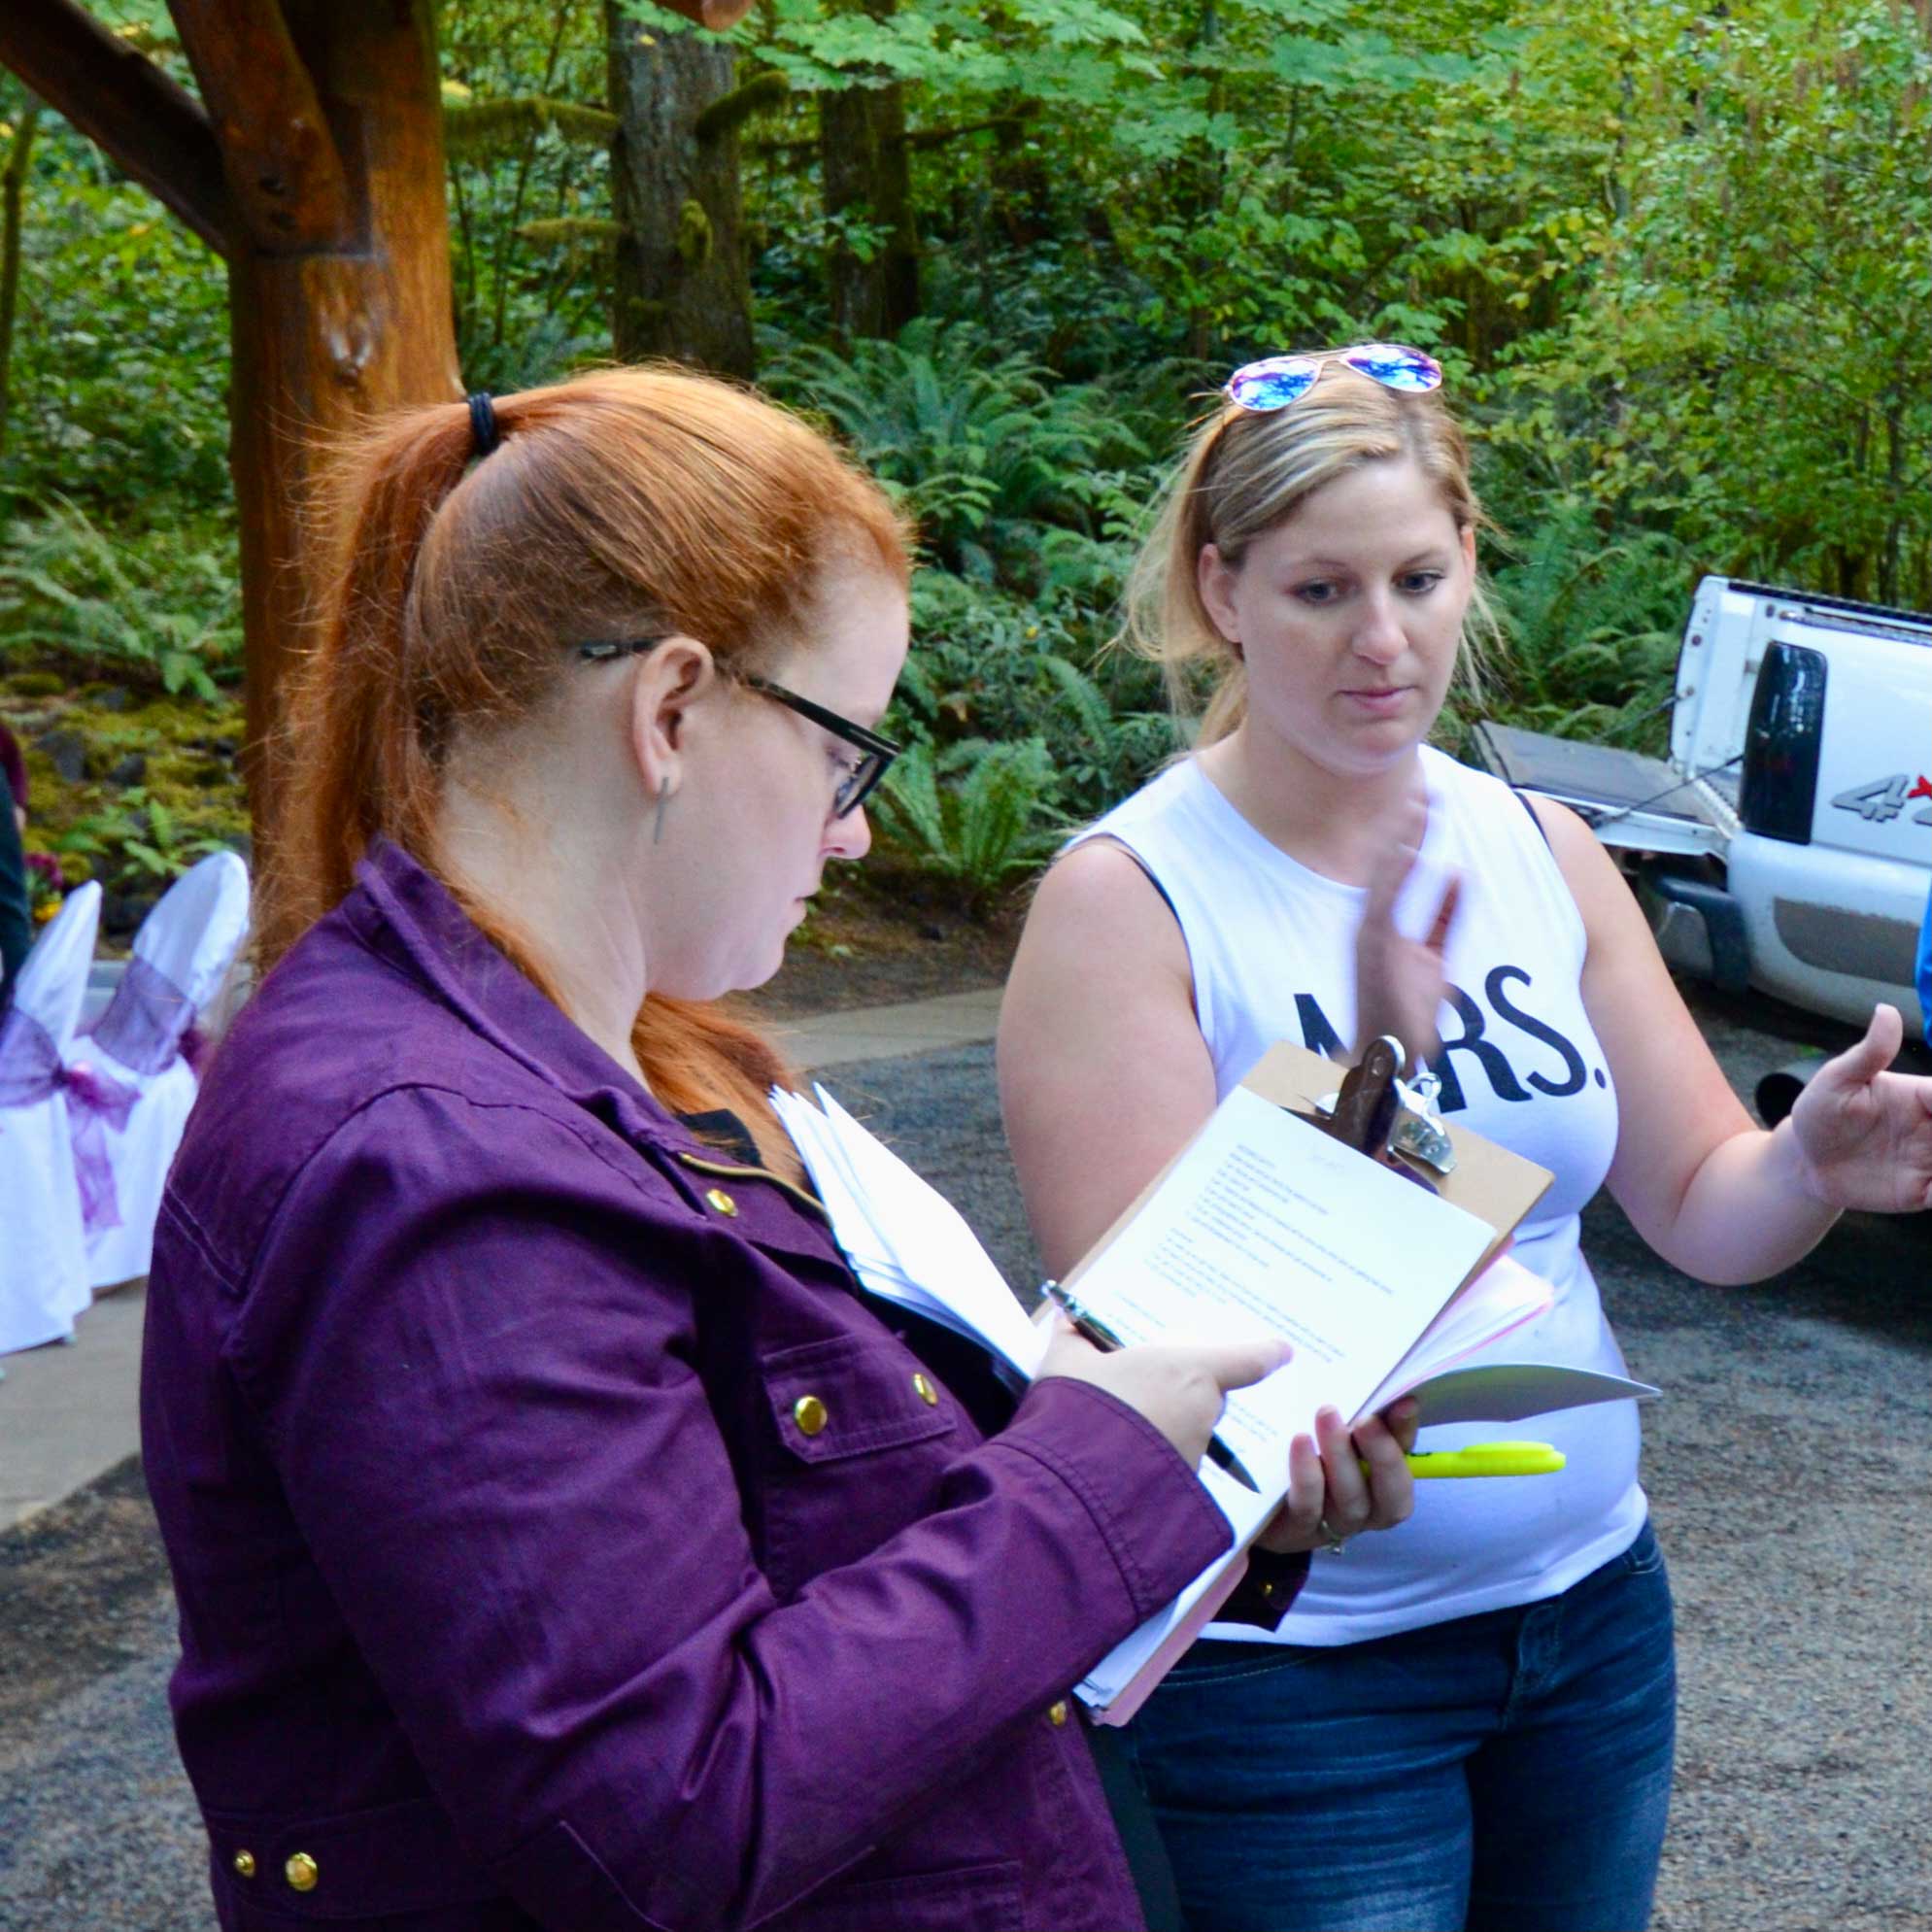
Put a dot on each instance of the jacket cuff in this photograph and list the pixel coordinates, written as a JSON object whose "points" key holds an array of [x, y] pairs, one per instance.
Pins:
{"points": [[1161, 1526], [1267, 1592]]}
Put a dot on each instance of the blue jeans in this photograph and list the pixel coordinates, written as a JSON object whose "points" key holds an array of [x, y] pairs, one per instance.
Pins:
{"points": [[1503, 1773]]}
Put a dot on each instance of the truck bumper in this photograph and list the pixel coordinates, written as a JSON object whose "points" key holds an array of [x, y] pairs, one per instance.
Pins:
{"points": [[1698, 926]]}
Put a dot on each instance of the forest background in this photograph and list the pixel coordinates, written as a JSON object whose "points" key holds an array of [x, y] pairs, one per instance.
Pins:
{"points": [[1677, 259]]}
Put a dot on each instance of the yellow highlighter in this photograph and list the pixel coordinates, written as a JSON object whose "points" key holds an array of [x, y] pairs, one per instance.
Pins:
{"points": [[1489, 1459]]}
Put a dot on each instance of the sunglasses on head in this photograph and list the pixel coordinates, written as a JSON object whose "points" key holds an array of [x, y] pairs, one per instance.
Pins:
{"points": [[860, 776], [1280, 380]]}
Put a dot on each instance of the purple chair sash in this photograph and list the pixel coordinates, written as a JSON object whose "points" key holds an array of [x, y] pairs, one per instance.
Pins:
{"points": [[31, 1070], [145, 1022]]}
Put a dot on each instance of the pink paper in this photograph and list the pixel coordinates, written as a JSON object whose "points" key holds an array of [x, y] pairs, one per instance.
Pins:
{"points": [[1139, 1688]]}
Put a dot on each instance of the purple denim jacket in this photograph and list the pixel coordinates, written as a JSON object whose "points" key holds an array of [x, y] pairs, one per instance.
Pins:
{"points": [[559, 1540]]}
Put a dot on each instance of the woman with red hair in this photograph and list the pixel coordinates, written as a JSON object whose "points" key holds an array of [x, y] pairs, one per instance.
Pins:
{"points": [[560, 1539]]}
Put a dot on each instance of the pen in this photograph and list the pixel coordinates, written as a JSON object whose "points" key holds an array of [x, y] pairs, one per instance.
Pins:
{"points": [[1094, 1330], [1485, 1459]]}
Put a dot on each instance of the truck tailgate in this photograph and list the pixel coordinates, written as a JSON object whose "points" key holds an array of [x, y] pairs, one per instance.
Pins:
{"points": [[1625, 797]]}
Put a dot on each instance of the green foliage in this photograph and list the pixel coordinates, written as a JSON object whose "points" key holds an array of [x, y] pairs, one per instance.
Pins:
{"points": [[1678, 259], [987, 825], [530, 187], [985, 453], [1590, 629], [1751, 370], [988, 665], [185, 801], [121, 346], [763, 91], [161, 613], [584, 232], [1104, 750], [487, 130], [139, 843]]}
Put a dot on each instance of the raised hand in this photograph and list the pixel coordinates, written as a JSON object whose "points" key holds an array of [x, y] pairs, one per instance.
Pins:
{"points": [[1398, 981], [1863, 1136]]}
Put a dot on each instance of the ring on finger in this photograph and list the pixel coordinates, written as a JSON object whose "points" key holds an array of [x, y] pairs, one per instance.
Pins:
{"points": [[1332, 1542]]}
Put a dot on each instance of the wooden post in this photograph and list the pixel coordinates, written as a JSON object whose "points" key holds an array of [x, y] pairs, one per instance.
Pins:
{"points": [[331, 121]]}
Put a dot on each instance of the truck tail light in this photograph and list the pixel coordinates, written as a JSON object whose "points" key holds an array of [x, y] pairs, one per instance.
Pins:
{"points": [[1780, 775]]}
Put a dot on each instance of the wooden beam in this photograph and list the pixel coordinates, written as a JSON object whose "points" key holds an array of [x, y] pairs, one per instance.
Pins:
{"points": [[140, 120], [284, 170]]}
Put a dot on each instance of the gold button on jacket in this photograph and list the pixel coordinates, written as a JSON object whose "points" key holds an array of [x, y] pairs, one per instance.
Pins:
{"points": [[926, 1393], [302, 1872], [1057, 1713], [722, 1201], [245, 1864], [810, 1415]]}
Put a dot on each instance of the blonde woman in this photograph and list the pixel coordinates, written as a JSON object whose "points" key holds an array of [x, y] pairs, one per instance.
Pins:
{"points": [[1468, 1721]]}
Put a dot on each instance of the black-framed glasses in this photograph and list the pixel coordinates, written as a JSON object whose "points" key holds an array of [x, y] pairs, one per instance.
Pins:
{"points": [[861, 777], [875, 754]]}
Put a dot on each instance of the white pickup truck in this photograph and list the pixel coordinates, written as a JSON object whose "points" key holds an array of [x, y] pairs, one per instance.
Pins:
{"points": [[1787, 844]]}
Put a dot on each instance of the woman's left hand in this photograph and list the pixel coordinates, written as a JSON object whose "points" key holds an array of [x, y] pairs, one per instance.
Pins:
{"points": [[1863, 1136], [1330, 1496]]}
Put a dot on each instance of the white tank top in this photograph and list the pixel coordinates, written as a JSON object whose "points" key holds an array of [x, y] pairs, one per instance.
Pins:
{"points": [[1272, 946]]}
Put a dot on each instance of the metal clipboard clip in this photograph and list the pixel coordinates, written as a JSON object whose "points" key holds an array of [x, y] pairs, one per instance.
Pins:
{"points": [[1419, 1131], [1377, 1111]]}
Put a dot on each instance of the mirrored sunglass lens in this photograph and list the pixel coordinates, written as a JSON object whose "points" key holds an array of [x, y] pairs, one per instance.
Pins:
{"points": [[1395, 368], [1263, 385]]}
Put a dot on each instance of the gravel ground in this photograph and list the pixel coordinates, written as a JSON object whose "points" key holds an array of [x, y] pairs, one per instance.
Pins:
{"points": [[98, 1831], [1788, 1466]]}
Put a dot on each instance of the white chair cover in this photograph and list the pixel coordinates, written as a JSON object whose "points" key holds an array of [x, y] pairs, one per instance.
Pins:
{"points": [[182, 954], [43, 1253]]}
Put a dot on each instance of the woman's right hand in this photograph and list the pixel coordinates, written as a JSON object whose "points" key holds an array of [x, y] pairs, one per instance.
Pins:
{"points": [[1178, 1387]]}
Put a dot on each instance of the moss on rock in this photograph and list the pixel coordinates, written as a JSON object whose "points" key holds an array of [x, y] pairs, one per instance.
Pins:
{"points": [[184, 752]]}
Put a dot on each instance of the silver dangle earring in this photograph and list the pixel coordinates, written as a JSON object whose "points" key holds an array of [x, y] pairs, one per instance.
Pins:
{"points": [[657, 824]]}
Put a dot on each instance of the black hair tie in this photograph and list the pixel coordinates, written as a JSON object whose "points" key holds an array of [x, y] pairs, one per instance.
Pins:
{"points": [[482, 422]]}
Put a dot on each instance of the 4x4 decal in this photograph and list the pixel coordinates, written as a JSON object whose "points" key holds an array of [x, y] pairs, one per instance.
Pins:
{"points": [[1884, 799]]}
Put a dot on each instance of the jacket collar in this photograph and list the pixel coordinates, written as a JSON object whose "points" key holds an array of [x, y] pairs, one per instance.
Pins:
{"points": [[412, 922]]}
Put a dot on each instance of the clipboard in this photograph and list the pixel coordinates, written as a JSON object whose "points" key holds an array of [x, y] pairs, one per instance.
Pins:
{"points": [[1498, 1187], [1492, 1184]]}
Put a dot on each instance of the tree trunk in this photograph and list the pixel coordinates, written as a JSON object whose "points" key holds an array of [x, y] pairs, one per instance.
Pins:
{"points": [[866, 167], [1021, 191], [13, 198], [681, 287]]}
